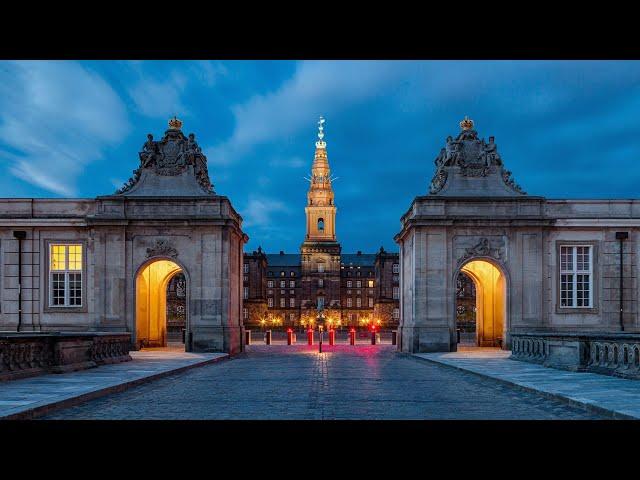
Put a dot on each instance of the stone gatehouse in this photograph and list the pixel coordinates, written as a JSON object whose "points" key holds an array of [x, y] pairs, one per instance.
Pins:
{"points": [[538, 266], [103, 264]]}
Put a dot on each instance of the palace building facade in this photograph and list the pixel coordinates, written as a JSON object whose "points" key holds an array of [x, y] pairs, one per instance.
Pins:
{"points": [[344, 289], [555, 281], [162, 254]]}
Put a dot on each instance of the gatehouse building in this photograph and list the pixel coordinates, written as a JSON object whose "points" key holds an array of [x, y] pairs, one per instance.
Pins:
{"points": [[164, 244], [553, 279]]}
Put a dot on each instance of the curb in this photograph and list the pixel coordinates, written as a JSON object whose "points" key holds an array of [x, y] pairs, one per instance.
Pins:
{"points": [[554, 396], [34, 412]]}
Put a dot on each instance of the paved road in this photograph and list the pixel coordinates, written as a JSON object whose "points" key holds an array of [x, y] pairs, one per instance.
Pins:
{"points": [[364, 382]]}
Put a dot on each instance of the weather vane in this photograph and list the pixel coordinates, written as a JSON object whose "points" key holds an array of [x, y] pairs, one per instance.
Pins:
{"points": [[320, 143]]}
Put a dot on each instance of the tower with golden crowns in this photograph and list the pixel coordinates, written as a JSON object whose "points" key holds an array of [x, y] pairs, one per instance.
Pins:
{"points": [[320, 251]]}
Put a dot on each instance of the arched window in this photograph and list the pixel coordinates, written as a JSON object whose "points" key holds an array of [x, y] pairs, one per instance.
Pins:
{"points": [[321, 224]]}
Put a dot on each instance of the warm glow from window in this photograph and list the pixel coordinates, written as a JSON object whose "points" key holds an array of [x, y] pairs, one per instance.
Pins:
{"points": [[66, 257], [370, 283]]}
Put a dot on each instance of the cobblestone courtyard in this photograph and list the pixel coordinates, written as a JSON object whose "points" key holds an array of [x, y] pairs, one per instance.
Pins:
{"points": [[363, 382]]}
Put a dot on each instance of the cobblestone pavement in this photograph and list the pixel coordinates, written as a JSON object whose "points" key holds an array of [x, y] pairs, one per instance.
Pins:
{"points": [[345, 382]]}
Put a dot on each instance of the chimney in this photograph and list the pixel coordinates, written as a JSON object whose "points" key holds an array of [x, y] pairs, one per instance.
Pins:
{"points": [[281, 252], [359, 252]]}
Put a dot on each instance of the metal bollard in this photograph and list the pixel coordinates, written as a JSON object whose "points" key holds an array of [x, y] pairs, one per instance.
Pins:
{"points": [[352, 336], [247, 337], [267, 337], [310, 337], [184, 335], [332, 337], [394, 337], [289, 336], [458, 334]]}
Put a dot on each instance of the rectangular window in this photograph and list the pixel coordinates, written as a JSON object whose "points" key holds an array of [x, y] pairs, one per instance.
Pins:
{"points": [[370, 283], [292, 302], [283, 302], [576, 276], [349, 283], [246, 268], [370, 302], [292, 283], [270, 283], [321, 268], [292, 317], [358, 284], [270, 302], [396, 293], [246, 278], [245, 313], [65, 275], [349, 302], [396, 279], [320, 302], [358, 302], [320, 283], [396, 313], [283, 283], [396, 268], [245, 292]]}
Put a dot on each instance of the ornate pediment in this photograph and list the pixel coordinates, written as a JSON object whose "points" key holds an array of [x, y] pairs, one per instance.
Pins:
{"points": [[470, 157], [173, 156], [493, 246]]}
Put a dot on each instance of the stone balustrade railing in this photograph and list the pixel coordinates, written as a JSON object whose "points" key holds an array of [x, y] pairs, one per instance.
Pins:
{"points": [[28, 354], [609, 353]]}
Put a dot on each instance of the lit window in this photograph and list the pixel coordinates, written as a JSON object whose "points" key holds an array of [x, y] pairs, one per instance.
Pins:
{"points": [[65, 275], [292, 284], [396, 293], [370, 283], [396, 268], [246, 268], [576, 265], [292, 317], [282, 273], [292, 273], [270, 302], [320, 267], [349, 283], [283, 283], [245, 292], [270, 283], [370, 302], [349, 302], [292, 302], [358, 302]]}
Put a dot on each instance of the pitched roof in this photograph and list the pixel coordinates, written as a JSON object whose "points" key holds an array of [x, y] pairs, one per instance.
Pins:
{"points": [[362, 260], [283, 260]]}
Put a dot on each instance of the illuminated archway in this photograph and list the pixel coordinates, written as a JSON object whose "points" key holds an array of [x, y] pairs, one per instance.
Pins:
{"points": [[490, 302], [151, 302]]}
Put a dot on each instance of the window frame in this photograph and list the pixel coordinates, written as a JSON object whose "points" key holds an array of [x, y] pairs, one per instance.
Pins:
{"points": [[48, 277], [594, 276]]}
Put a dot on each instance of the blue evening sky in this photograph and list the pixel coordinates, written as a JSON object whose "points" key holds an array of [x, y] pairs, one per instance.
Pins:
{"points": [[566, 129]]}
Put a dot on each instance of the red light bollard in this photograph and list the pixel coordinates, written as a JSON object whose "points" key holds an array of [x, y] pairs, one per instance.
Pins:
{"points": [[310, 336], [373, 335], [332, 337], [352, 336], [290, 339]]}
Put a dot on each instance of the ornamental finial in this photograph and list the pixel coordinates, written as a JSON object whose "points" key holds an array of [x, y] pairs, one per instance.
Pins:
{"points": [[466, 124], [321, 143], [175, 123]]}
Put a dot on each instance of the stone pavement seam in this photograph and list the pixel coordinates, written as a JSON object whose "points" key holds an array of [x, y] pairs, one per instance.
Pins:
{"points": [[34, 412], [569, 401]]}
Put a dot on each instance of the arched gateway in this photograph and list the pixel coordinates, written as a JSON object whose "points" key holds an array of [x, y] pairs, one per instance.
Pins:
{"points": [[152, 281], [488, 311]]}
